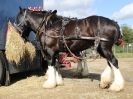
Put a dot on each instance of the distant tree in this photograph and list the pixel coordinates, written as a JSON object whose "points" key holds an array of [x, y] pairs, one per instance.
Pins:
{"points": [[127, 33]]}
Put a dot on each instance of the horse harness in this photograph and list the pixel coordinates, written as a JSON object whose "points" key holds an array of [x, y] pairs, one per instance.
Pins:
{"points": [[65, 21], [40, 31], [63, 38], [79, 37]]}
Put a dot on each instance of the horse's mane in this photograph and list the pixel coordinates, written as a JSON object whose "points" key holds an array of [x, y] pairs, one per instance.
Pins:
{"points": [[37, 12]]}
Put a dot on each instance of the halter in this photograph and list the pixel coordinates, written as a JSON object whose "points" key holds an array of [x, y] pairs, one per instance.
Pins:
{"points": [[22, 21], [43, 23], [25, 12]]}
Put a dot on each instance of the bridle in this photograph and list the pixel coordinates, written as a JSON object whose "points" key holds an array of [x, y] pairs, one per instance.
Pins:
{"points": [[43, 23], [17, 26]]}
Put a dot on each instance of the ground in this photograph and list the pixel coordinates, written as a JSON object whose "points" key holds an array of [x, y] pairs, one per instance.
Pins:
{"points": [[30, 87]]}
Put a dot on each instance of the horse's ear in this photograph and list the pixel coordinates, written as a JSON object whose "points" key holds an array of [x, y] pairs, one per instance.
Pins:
{"points": [[54, 12], [20, 8]]}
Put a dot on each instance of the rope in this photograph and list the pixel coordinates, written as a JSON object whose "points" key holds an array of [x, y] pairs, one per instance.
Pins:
{"points": [[80, 58], [43, 22]]}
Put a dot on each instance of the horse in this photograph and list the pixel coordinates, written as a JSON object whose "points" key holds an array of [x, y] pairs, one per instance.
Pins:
{"points": [[58, 33]]}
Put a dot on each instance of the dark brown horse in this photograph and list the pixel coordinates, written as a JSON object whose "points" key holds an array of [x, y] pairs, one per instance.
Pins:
{"points": [[59, 33]]}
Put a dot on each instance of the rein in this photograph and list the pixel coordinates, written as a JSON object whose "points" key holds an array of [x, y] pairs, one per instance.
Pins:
{"points": [[43, 23]]}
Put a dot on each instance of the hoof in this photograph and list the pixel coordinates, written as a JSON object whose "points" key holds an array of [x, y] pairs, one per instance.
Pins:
{"points": [[104, 85], [49, 85], [60, 83], [59, 79], [46, 77], [116, 87]]}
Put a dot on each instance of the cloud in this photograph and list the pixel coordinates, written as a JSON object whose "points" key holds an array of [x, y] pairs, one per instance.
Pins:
{"points": [[124, 13], [132, 26], [72, 8]]}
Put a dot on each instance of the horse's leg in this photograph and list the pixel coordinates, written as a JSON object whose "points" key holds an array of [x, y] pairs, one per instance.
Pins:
{"points": [[118, 83], [84, 65], [51, 78], [82, 69], [59, 78], [51, 72], [53, 75], [106, 77], [79, 65]]}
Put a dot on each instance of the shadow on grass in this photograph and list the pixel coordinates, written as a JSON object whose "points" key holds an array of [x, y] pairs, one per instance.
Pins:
{"points": [[74, 74], [23, 75]]}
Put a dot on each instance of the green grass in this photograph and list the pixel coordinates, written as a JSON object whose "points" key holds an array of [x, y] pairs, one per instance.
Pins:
{"points": [[118, 55], [118, 52], [124, 55]]}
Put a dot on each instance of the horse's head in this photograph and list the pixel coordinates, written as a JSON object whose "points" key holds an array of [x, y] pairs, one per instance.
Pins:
{"points": [[28, 20], [22, 22]]}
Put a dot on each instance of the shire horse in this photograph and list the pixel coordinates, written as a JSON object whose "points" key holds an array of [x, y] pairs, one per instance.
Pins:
{"points": [[57, 33]]}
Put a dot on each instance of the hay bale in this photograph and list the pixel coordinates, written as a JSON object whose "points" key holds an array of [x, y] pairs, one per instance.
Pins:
{"points": [[16, 48], [14, 45], [30, 50]]}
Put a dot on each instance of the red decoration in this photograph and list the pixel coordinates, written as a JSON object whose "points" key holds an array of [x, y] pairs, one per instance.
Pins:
{"points": [[63, 61], [121, 42], [35, 8]]}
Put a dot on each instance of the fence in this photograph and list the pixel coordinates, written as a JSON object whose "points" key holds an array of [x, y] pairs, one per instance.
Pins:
{"points": [[125, 52], [121, 52]]}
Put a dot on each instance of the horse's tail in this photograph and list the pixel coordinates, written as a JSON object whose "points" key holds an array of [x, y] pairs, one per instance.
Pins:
{"points": [[119, 41]]}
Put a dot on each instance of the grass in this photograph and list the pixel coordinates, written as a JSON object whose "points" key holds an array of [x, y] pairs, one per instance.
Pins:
{"points": [[118, 55], [124, 55]]}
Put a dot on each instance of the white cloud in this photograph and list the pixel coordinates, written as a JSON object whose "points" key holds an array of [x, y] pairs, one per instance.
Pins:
{"points": [[124, 13], [72, 8], [132, 26]]}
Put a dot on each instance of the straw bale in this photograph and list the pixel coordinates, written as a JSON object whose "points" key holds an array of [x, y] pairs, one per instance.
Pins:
{"points": [[16, 48]]}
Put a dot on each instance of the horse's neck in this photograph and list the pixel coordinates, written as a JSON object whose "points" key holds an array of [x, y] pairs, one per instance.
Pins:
{"points": [[34, 24]]}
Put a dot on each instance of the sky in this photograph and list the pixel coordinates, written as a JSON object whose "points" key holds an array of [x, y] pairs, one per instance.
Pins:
{"points": [[118, 10]]}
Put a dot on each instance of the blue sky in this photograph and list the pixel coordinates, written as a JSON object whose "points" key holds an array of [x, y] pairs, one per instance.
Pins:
{"points": [[119, 10], [108, 7]]}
